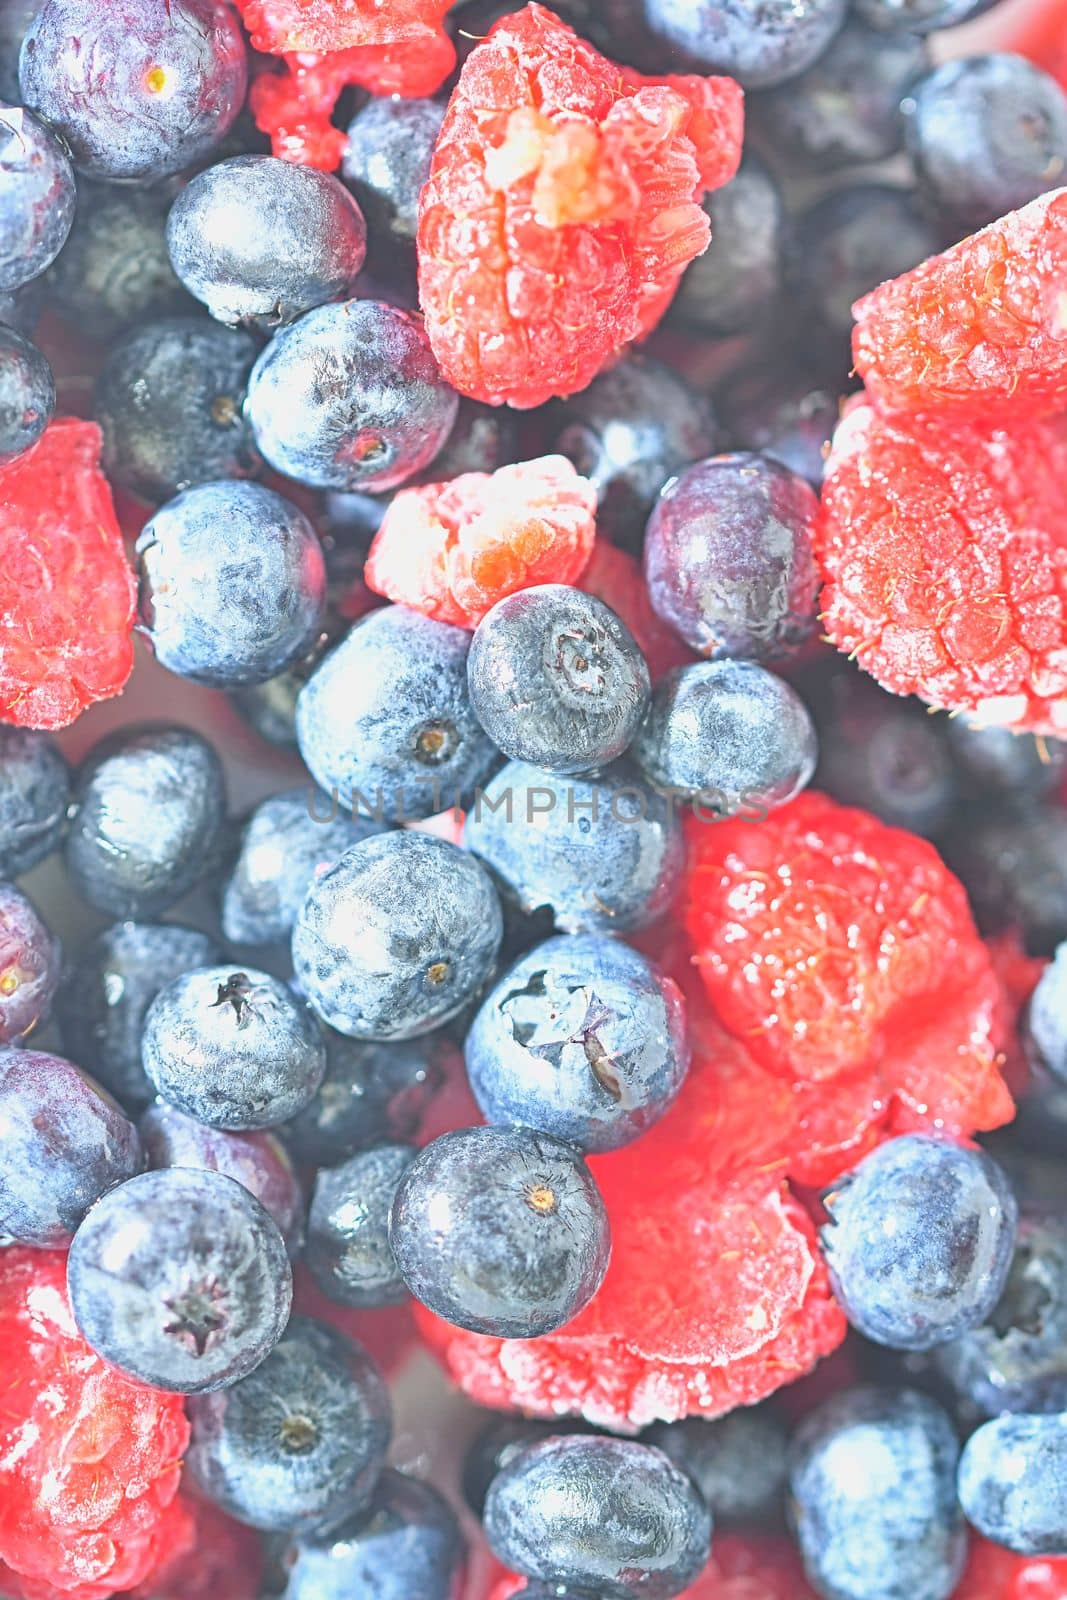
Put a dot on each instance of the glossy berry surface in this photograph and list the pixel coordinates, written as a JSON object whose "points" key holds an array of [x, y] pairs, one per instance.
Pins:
{"points": [[736, 283], [114, 269], [348, 1251], [34, 791], [39, 197], [1013, 1483], [738, 1462], [782, 414], [386, 161], [30, 962], [919, 16], [1012, 868], [759, 45], [27, 395], [372, 1091]]}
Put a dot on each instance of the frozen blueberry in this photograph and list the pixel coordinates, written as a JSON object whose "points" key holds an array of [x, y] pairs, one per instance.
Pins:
{"points": [[736, 283], [605, 854], [1015, 873], [873, 1497], [920, 1241], [738, 1462], [1045, 1023], [114, 269], [180, 1280], [397, 937], [609, 1515], [919, 16], [498, 1443], [30, 961], [781, 414], [34, 793], [385, 723], [501, 1230], [15, 18], [169, 400], [758, 42], [27, 395], [349, 397], [371, 1091], [387, 161], [987, 135], [138, 89], [582, 1039], [235, 1050], [37, 197], [1012, 769], [260, 241], [300, 1440], [63, 1143], [147, 820], [348, 1251], [1013, 1483]]}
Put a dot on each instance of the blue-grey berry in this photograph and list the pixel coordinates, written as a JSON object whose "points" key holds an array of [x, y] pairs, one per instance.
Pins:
{"points": [[27, 395], [371, 1091], [37, 197], [348, 1251], [114, 269], [34, 794], [1013, 1483], [738, 1462], [387, 160]]}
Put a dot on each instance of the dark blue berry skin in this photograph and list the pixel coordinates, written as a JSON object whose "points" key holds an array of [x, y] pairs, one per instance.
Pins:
{"points": [[387, 161], [920, 1241], [873, 1497], [728, 557], [106, 992], [114, 269], [169, 400], [1045, 1025], [148, 819], [385, 723], [758, 42], [15, 18], [1013, 1483], [919, 16], [604, 854], [34, 794], [22, 308], [38, 197], [482, 439], [299, 1441], [260, 241], [631, 430], [731, 732], [609, 1515], [1011, 769], [582, 1039], [27, 395], [405, 1544], [397, 937], [498, 1443], [371, 1091], [987, 135], [783, 415], [349, 397], [738, 1462], [1015, 872], [501, 1230], [63, 1143], [139, 89], [235, 1050], [31, 959], [348, 1251], [557, 679], [736, 283], [232, 584], [180, 1279]]}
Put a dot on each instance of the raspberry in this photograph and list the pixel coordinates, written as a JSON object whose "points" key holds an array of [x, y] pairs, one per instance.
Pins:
{"points": [[562, 208], [742, 1567], [979, 333], [944, 555], [452, 550], [993, 1573], [1018, 975], [221, 1558], [89, 1463], [59, 544], [615, 577]]}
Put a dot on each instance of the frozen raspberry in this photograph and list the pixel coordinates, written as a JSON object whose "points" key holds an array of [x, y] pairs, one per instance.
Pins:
{"points": [[60, 544], [1043, 38], [979, 333], [562, 207], [615, 577], [89, 1462], [993, 1573], [944, 557], [452, 550], [222, 1558]]}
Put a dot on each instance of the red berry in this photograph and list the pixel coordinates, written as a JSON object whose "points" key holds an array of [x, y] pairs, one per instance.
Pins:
{"points": [[562, 207], [452, 550], [993, 1573], [979, 333], [222, 1558], [615, 577], [60, 547]]}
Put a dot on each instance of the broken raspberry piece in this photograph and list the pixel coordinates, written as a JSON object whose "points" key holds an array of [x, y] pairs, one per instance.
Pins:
{"points": [[979, 333], [562, 207], [944, 558], [452, 550], [283, 27], [60, 548]]}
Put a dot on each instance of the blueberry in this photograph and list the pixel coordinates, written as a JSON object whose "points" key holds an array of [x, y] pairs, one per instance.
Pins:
{"points": [[1011, 769], [387, 160], [1015, 873], [605, 854], [736, 283], [180, 1280], [371, 1091], [34, 793], [348, 1251], [105, 994], [15, 18], [498, 1443], [138, 89], [582, 1039], [628, 432], [728, 557], [257, 1161], [406, 1544], [1013, 1483], [27, 395], [30, 962], [349, 397], [873, 1497], [169, 399], [482, 439], [919, 16], [114, 269], [605, 1514], [37, 197], [261, 241], [501, 1230], [235, 1050], [21, 309], [987, 135], [385, 723], [300, 1440], [147, 820], [63, 1143], [758, 42], [397, 937], [920, 1241], [781, 414], [1045, 1022], [738, 1462]]}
